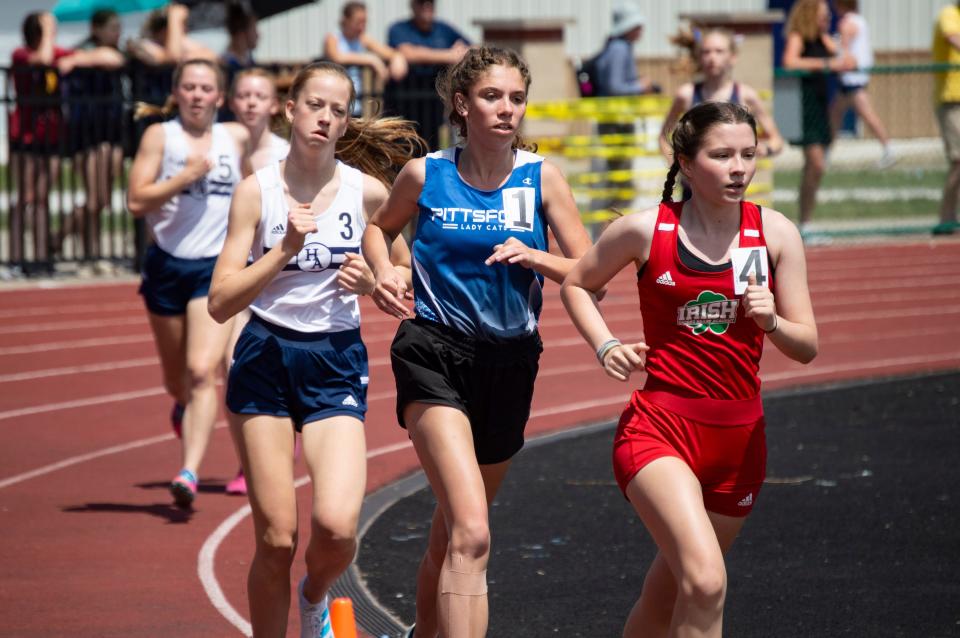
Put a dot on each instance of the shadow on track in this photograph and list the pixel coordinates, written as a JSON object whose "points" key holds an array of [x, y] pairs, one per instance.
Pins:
{"points": [[857, 531]]}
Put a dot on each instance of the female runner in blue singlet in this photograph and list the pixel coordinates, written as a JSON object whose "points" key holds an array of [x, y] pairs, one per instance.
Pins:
{"points": [[465, 365]]}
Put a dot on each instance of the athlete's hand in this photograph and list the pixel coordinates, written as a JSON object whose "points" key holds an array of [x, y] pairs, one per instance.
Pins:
{"points": [[389, 289], [758, 304], [513, 251], [196, 167], [355, 275], [300, 223], [621, 360]]}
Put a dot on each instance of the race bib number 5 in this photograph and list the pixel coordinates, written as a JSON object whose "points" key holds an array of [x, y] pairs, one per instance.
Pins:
{"points": [[746, 262], [518, 208]]}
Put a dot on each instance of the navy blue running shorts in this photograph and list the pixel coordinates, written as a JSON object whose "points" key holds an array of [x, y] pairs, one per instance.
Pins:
{"points": [[169, 283], [491, 382], [304, 376]]}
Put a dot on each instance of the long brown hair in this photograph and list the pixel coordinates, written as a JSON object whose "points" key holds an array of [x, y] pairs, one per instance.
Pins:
{"points": [[803, 19], [378, 146], [145, 109], [693, 128], [460, 78]]}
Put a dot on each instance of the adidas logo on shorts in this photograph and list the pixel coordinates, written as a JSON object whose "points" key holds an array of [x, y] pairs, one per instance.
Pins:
{"points": [[349, 400], [277, 230], [666, 279], [746, 501]]}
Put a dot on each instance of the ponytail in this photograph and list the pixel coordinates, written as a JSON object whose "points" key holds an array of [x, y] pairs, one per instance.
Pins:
{"points": [[146, 109], [670, 182], [381, 146]]}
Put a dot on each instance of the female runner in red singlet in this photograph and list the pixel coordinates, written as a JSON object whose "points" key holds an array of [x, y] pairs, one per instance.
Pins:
{"points": [[690, 451]]}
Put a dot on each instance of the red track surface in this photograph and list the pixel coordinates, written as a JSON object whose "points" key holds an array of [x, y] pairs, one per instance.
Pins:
{"points": [[93, 547]]}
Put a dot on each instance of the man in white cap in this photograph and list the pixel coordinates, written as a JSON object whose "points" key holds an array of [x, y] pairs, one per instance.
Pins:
{"points": [[615, 68]]}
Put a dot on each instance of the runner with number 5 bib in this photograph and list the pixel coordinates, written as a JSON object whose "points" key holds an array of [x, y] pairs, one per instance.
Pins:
{"points": [[689, 452]]}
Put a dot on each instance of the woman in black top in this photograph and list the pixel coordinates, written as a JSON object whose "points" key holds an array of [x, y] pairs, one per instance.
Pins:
{"points": [[810, 48]]}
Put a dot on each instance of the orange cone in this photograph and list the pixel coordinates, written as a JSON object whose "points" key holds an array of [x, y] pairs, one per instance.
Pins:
{"points": [[341, 618]]}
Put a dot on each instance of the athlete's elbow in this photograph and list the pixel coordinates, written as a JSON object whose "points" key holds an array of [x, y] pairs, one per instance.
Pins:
{"points": [[216, 307], [808, 353], [135, 206]]}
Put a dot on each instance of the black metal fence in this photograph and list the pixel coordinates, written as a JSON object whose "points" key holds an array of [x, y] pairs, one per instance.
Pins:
{"points": [[69, 142]]}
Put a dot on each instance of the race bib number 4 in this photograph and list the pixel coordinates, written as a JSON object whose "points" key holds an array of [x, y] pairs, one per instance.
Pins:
{"points": [[746, 262], [518, 208]]}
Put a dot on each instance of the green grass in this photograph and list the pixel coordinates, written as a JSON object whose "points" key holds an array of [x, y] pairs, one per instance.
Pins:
{"points": [[851, 209]]}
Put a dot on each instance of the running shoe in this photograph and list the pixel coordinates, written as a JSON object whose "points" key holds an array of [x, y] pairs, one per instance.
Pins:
{"points": [[410, 631], [176, 420], [945, 228], [238, 485], [184, 488], [887, 159], [314, 618]]}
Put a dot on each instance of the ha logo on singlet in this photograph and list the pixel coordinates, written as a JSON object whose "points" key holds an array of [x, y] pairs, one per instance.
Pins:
{"points": [[709, 311]]}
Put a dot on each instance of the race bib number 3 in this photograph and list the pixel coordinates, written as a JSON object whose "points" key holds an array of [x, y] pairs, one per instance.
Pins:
{"points": [[518, 208], [746, 262]]}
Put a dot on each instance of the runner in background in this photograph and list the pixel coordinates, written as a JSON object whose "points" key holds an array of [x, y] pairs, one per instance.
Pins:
{"points": [[254, 103], [181, 182], [715, 51], [465, 365], [300, 364], [690, 452]]}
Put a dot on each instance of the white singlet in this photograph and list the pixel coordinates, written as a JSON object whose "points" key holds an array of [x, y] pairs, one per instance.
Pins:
{"points": [[305, 295], [193, 223], [861, 50]]}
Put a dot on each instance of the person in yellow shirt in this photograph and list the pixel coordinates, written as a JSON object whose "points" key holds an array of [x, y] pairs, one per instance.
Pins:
{"points": [[946, 50]]}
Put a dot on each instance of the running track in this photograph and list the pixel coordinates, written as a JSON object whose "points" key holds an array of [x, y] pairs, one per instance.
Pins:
{"points": [[92, 546]]}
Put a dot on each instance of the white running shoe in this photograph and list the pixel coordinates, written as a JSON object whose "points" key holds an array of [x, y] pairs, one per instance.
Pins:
{"points": [[314, 618], [887, 159]]}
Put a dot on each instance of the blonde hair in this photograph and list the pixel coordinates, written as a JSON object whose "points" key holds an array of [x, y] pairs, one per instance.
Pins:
{"points": [[460, 78], [803, 19], [378, 146], [278, 123], [146, 109]]}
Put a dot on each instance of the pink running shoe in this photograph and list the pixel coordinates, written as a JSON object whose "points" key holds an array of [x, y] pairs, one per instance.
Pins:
{"points": [[184, 488], [238, 485]]}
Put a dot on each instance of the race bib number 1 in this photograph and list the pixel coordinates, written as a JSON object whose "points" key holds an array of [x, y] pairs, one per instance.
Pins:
{"points": [[518, 208], [746, 262]]}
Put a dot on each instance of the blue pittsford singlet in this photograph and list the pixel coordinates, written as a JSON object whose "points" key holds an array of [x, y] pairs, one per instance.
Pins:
{"points": [[457, 229]]}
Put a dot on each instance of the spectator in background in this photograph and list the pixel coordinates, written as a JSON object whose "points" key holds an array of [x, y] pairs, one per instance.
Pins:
{"points": [[352, 48], [96, 130], [809, 47], [855, 42], [35, 126], [616, 74], [946, 50], [164, 39], [242, 29], [428, 45], [616, 68]]}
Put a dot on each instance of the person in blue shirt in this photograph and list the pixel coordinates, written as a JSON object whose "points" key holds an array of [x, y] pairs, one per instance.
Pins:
{"points": [[428, 45], [616, 69], [466, 363]]}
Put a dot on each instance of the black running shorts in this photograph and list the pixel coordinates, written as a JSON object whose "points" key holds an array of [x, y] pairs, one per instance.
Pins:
{"points": [[490, 382]]}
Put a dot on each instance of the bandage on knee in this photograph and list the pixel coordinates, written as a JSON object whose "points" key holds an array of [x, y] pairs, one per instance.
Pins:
{"points": [[463, 583]]}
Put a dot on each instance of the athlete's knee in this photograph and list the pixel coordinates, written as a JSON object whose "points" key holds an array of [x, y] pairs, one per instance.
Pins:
{"points": [[333, 539], [276, 547], [705, 586], [470, 539], [202, 372]]}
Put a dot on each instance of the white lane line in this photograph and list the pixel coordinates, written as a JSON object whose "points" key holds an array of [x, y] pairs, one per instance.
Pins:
{"points": [[74, 325], [79, 343], [70, 309], [74, 460], [84, 369], [208, 552], [81, 403]]}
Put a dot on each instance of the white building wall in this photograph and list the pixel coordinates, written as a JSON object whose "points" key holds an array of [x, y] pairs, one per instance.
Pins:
{"points": [[298, 34]]}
